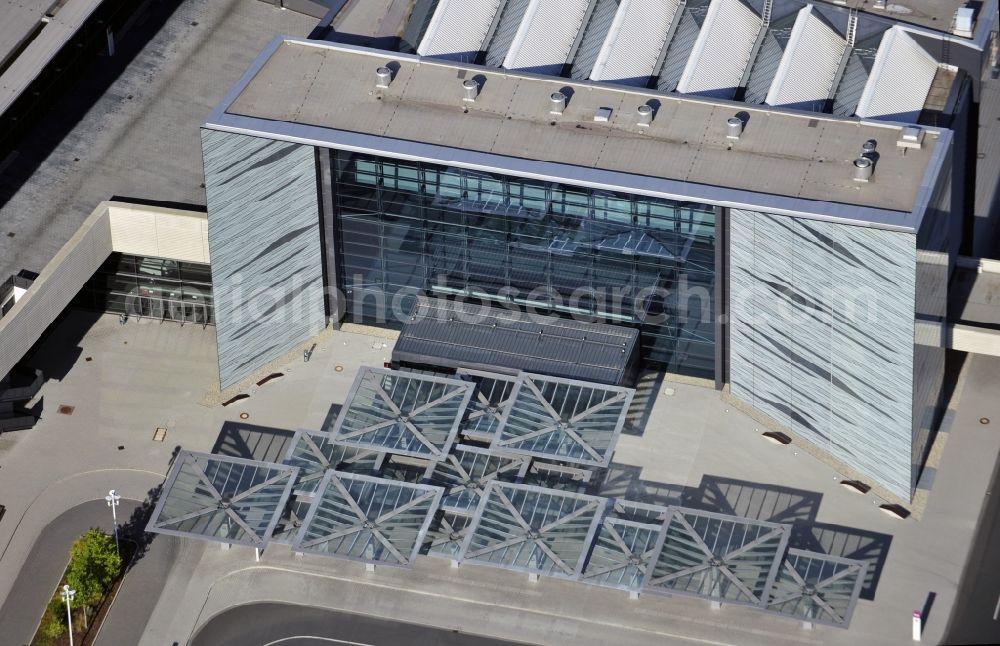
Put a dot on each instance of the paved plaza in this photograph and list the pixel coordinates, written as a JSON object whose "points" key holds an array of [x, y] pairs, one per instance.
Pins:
{"points": [[684, 445]]}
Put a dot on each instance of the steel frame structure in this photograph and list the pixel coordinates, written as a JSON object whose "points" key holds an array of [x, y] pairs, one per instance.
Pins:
{"points": [[817, 588], [205, 494], [368, 519], [406, 413]]}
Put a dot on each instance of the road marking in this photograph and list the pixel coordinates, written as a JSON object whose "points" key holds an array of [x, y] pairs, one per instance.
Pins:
{"points": [[325, 639], [996, 609]]}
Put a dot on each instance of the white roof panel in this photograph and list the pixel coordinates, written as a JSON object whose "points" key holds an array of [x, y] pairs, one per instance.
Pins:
{"points": [[633, 44], [722, 51], [458, 28], [900, 78], [546, 35], [809, 65]]}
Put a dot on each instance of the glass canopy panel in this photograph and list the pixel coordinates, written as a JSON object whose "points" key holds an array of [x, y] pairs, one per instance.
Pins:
{"points": [[488, 405], [368, 519], [402, 412], [531, 529], [313, 452], [221, 498], [564, 420], [628, 542], [447, 534], [467, 472], [718, 557], [817, 588]]}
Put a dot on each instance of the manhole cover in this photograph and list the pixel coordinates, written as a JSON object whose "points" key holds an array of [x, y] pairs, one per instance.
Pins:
{"points": [[984, 420], [66, 410], [338, 369], [244, 415]]}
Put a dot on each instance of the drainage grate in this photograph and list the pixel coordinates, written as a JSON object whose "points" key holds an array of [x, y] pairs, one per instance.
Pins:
{"points": [[66, 410], [159, 434]]}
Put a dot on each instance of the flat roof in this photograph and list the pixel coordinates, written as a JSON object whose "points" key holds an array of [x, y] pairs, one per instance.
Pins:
{"points": [[27, 44], [784, 162]]}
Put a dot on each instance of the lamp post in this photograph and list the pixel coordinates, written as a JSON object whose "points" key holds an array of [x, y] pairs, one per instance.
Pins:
{"points": [[67, 594], [113, 499]]}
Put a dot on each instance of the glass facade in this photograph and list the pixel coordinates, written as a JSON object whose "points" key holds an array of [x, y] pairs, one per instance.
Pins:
{"points": [[408, 227], [143, 286]]}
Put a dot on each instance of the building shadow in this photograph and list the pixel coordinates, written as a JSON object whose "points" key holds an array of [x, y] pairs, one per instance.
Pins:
{"points": [[769, 503], [846, 542], [58, 349], [252, 442], [647, 386]]}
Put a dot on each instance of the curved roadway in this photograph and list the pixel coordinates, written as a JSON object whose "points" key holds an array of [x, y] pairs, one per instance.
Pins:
{"points": [[276, 624], [41, 571]]}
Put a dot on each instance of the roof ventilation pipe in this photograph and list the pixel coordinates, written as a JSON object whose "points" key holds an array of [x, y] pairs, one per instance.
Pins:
{"points": [[868, 147], [734, 127], [557, 103], [471, 89], [383, 77], [645, 116], [863, 168]]}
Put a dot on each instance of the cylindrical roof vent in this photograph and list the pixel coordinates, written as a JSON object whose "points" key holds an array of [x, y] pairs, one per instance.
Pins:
{"points": [[863, 168], [383, 77], [869, 146], [557, 103], [645, 115], [471, 89], [734, 127]]}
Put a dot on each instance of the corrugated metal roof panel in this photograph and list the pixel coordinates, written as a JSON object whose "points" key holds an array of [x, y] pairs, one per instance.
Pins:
{"points": [[765, 66], [452, 334], [855, 77], [510, 19], [546, 36], [458, 28], [722, 50], [899, 80], [632, 48], [593, 38], [809, 66], [680, 46]]}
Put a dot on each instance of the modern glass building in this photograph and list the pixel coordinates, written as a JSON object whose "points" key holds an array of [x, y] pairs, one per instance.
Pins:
{"points": [[411, 227], [798, 261]]}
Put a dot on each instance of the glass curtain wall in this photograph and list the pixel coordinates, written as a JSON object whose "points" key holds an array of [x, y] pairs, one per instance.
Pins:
{"points": [[159, 288], [408, 228]]}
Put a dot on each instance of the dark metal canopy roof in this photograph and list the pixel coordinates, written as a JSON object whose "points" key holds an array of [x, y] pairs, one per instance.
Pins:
{"points": [[402, 412], [453, 334], [221, 498], [563, 419], [368, 519]]}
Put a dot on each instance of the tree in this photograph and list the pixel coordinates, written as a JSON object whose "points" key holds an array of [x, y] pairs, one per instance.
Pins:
{"points": [[93, 566]]}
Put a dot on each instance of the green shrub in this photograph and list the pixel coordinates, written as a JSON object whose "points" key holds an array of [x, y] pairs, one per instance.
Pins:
{"points": [[54, 620]]}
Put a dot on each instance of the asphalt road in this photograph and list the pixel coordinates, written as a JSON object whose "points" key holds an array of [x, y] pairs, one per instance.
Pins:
{"points": [[44, 566], [975, 617], [274, 624]]}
